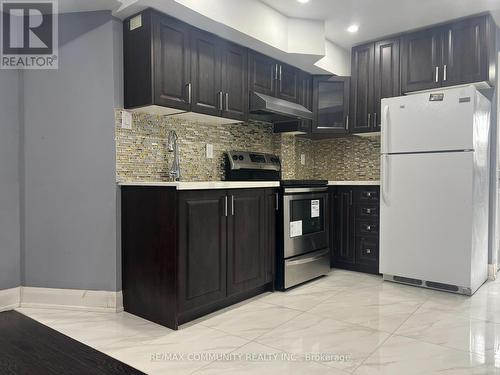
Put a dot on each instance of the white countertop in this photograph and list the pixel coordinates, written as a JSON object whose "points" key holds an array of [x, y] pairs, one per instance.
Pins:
{"points": [[358, 183], [204, 185]]}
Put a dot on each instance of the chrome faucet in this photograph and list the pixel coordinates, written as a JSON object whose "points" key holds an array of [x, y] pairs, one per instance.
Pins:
{"points": [[175, 169]]}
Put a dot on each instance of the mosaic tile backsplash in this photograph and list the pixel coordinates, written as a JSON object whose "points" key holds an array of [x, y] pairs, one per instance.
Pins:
{"points": [[141, 153]]}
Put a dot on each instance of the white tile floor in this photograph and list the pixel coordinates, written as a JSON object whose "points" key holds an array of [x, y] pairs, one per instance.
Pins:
{"points": [[357, 322]]}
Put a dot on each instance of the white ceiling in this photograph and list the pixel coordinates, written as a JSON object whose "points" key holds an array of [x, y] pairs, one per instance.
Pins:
{"points": [[378, 18]]}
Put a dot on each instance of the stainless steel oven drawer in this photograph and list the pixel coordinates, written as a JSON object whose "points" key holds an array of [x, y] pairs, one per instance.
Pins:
{"points": [[306, 267]]}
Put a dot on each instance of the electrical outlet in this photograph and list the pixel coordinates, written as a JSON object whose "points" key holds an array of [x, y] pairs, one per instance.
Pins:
{"points": [[126, 119], [210, 151], [303, 159]]}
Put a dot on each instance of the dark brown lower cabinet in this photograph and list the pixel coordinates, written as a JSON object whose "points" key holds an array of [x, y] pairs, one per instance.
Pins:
{"points": [[246, 257], [188, 253], [355, 228]]}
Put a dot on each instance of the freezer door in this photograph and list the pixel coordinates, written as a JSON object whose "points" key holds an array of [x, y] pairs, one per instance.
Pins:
{"points": [[426, 122], [426, 217]]}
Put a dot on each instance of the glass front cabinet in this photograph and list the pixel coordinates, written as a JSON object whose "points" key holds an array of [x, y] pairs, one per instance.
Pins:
{"points": [[331, 105]]}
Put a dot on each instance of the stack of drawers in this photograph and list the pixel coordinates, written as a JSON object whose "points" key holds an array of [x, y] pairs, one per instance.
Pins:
{"points": [[355, 228], [366, 227]]}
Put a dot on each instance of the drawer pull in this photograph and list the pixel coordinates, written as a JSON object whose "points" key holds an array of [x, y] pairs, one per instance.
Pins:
{"points": [[368, 211], [368, 251]]}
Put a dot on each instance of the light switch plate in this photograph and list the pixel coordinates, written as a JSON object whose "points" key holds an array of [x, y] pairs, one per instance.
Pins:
{"points": [[126, 120], [210, 151], [303, 159]]}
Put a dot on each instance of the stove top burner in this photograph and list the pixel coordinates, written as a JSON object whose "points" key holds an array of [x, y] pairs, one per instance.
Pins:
{"points": [[303, 183]]}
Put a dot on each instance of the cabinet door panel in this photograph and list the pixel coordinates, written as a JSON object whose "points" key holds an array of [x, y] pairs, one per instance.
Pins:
{"points": [[362, 88], [246, 240], [421, 58], [288, 83], [466, 52], [171, 62], [202, 248], [386, 82], [234, 81], [330, 105], [205, 73], [261, 73], [343, 222]]}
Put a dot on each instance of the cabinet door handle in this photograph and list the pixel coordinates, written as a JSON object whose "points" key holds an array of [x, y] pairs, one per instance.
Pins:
{"points": [[276, 71], [277, 201], [437, 74], [189, 93], [375, 120], [369, 119], [232, 205], [445, 68], [347, 122], [220, 100], [225, 206], [226, 96], [350, 197], [280, 72]]}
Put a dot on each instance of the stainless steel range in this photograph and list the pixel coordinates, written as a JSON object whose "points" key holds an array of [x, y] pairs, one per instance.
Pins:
{"points": [[303, 251]]}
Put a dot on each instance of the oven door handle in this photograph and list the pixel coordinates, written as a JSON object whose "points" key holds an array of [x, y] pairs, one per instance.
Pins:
{"points": [[308, 260], [306, 190]]}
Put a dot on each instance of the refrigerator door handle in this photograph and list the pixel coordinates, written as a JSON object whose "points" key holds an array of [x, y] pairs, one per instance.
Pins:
{"points": [[385, 130], [384, 178]]}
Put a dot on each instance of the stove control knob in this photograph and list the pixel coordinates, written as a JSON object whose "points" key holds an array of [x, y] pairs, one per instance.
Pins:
{"points": [[240, 157], [235, 157]]}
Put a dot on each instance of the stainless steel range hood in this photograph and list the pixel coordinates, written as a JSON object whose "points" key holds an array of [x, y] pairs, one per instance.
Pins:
{"points": [[270, 109]]}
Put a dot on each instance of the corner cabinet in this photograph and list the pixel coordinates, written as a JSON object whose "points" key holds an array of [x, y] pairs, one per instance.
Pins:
{"points": [[355, 228], [375, 75], [460, 52], [330, 105], [188, 253], [174, 68]]}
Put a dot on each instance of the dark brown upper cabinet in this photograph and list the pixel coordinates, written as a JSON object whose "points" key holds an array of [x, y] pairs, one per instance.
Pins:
{"points": [[261, 73], [386, 77], [219, 76], [375, 75], [421, 60], [288, 83], [156, 61], [456, 53], [330, 105], [362, 70], [234, 81], [206, 73], [170, 64], [466, 56], [271, 77]]}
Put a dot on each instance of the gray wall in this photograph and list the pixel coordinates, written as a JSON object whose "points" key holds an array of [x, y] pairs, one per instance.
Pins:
{"points": [[10, 117], [70, 195]]}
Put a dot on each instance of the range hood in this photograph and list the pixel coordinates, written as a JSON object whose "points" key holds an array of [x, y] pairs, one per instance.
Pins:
{"points": [[270, 109]]}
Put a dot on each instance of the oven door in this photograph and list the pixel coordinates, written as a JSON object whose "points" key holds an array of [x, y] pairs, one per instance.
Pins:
{"points": [[305, 220]]}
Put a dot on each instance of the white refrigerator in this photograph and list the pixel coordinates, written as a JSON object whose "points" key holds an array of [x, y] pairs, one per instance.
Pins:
{"points": [[434, 189]]}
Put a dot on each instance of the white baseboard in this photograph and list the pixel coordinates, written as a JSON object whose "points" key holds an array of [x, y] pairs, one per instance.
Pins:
{"points": [[10, 298], [71, 299]]}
